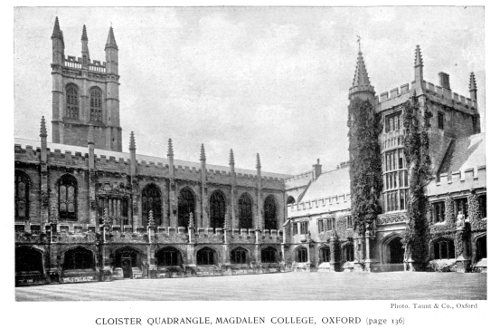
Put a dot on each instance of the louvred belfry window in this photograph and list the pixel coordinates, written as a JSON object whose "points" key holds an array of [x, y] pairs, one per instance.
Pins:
{"points": [[72, 101]]}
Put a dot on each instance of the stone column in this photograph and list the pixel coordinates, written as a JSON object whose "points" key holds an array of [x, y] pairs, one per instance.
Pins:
{"points": [[172, 191], [44, 176]]}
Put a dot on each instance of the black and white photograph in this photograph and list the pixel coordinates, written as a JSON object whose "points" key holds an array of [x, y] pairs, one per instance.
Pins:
{"points": [[250, 153]]}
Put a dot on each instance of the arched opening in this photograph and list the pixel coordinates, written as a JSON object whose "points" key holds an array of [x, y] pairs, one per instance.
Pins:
{"points": [[348, 252], [71, 101], [217, 209], [78, 258], [206, 256], [481, 248], [186, 206], [28, 261], [151, 201], [127, 258], [324, 254], [22, 196], [268, 255], [239, 256], [395, 251], [245, 209], [68, 191], [168, 256], [301, 255], [270, 220], [444, 249], [290, 200], [95, 104]]}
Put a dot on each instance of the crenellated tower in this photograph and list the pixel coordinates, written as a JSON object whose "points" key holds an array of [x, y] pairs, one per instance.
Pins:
{"points": [[85, 94]]}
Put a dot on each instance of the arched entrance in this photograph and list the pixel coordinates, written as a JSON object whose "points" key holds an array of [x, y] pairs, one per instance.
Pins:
{"points": [[168, 256], [481, 248], [324, 254], [126, 258], [206, 256], [29, 266], [78, 258], [268, 255], [395, 251]]}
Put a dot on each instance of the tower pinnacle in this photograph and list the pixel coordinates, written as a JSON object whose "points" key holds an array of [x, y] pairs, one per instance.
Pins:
{"points": [[131, 146], [84, 33], [111, 42], [361, 81], [418, 57], [473, 87], [231, 158], [43, 128], [203, 158], [258, 166], [419, 66], [170, 148], [57, 33]]}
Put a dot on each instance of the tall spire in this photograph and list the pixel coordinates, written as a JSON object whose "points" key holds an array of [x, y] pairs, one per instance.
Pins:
{"points": [[111, 43], [57, 33], [131, 146], [170, 148], [203, 158], [84, 33], [43, 128], [361, 81]]}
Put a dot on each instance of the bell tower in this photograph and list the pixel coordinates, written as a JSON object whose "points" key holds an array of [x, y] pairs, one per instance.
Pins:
{"points": [[85, 94]]}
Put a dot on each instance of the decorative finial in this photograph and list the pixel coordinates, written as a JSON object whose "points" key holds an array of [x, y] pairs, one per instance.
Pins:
{"points": [[231, 158], [359, 43], [151, 220], [191, 222], [418, 57], [203, 158], [170, 148], [84, 33], [258, 161], [472, 82], [43, 128], [131, 146]]}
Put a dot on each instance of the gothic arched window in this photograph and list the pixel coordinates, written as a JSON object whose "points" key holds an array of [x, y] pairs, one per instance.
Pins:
{"points": [[268, 255], [151, 201], [72, 101], [245, 207], [290, 200], [67, 187], [168, 256], [22, 196], [78, 258], [95, 104], [238, 256], [217, 209], [270, 222], [186, 206], [205, 256]]}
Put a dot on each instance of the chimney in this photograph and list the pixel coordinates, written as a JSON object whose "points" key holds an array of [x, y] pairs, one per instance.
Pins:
{"points": [[316, 170], [444, 80]]}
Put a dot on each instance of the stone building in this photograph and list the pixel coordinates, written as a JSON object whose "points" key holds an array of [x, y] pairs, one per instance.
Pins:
{"points": [[319, 210], [86, 211]]}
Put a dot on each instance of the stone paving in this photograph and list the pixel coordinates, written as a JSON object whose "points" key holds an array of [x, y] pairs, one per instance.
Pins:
{"points": [[280, 286]]}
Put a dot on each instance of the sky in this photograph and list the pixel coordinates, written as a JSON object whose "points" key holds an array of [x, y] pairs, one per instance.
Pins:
{"points": [[272, 80]]}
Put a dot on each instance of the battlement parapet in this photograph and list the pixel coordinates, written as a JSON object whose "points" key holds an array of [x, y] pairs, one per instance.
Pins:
{"points": [[307, 174], [394, 93], [462, 102], [336, 200], [470, 178]]}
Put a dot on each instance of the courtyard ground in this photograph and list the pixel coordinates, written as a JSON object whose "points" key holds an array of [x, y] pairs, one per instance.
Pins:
{"points": [[279, 286]]}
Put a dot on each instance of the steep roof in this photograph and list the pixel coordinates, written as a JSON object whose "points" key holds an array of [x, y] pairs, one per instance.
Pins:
{"points": [[330, 183], [466, 153]]}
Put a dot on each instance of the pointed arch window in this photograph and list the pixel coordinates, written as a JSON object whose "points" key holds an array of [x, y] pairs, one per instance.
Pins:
{"points": [[151, 201], [67, 197], [22, 196], [245, 208], [78, 258], [270, 222], [268, 255], [239, 256], [186, 206], [95, 104], [72, 107], [217, 209]]}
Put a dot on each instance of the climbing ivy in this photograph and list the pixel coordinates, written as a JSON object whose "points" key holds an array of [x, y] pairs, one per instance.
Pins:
{"points": [[365, 165], [416, 150]]}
